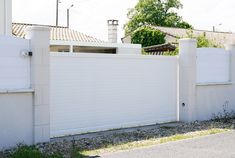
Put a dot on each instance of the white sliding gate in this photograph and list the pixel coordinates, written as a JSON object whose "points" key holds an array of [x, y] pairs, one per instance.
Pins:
{"points": [[95, 92]]}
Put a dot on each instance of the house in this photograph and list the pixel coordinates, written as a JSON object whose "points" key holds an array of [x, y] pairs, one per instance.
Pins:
{"points": [[173, 34], [64, 39]]}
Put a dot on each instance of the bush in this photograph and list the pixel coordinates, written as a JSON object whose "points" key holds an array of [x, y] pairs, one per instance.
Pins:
{"points": [[202, 41], [24, 151], [148, 37]]}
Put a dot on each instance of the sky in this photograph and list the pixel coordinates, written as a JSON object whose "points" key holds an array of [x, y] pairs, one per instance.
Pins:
{"points": [[90, 16]]}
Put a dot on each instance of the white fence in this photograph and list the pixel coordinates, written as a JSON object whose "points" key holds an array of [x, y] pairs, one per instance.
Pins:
{"points": [[206, 77], [15, 69], [54, 94], [214, 88], [213, 65], [24, 117], [95, 92], [16, 110]]}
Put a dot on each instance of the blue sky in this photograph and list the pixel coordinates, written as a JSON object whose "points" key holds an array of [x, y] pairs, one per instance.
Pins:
{"points": [[90, 16]]}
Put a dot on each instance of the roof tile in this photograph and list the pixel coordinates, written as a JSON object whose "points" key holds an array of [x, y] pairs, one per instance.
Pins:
{"points": [[57, 33]]}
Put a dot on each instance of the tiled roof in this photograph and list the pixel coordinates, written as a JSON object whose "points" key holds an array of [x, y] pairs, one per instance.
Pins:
{"points": [[218, 37], [57, 33], [173, 34]]}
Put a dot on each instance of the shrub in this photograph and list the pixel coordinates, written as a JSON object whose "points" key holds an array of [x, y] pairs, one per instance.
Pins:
{"points": [[202, 41], [24, 151], [148, 37]]}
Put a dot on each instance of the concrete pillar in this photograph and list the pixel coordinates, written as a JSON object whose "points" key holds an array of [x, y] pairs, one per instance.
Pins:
{"points": [[39, 45], [187, 79], [6, 17], [231, 49]]}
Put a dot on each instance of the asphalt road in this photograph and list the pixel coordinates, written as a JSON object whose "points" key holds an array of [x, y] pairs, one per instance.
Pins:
{"points": [[215, 146]]}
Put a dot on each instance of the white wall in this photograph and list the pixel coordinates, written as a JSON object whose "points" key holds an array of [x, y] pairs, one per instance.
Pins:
{"points": [[94, 92], [24, 83], [16, 98], [16, 119], [211, 99], [217, 91], [213, 65], [15, 69], [206, 81], [134, 51]]}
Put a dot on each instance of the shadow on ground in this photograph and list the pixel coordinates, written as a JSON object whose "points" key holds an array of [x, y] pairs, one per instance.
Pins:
{"points": [[73, 146]]}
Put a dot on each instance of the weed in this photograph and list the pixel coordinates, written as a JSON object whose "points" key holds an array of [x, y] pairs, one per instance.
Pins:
{"points": [[224, 116]]}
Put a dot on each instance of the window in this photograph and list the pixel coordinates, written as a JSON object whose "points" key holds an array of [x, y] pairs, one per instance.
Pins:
{"points": [[59, 48], [86, 49]]}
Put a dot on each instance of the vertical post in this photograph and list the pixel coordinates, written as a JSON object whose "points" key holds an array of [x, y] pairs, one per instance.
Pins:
{"points": [[231, 49], [39, 44], [68, 14], [68, 18], [57, 12], [187, 79], [6, 17], [71, 49], [2, 17]]}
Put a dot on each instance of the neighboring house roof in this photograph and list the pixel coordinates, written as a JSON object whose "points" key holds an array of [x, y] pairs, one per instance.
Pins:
{"points": [[57, 33], [172, 34], [160, 48], [218, 37]]}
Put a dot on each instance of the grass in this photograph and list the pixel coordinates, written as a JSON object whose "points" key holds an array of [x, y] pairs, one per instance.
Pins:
{"points": [[31, 152], [24, 151], [154, 141]]}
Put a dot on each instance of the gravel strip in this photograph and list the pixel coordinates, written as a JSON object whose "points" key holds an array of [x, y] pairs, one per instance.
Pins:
{"points": [[67, 145]]}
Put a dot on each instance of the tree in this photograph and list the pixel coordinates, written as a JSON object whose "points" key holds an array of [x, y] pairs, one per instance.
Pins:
{"points": [[148, 36], [155, 12]]}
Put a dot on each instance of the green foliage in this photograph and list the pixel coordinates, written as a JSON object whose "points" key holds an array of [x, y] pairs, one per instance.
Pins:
{"points": [[30, 152], [202, 41], [77, 154], [173, 53], [155, 12], [148, 36]]}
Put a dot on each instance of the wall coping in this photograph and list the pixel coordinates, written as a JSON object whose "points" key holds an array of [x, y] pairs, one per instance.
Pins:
{"points": [[214, 83], [37, 28], [7, 91]]}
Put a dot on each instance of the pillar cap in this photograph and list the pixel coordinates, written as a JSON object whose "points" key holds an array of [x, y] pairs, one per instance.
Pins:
{"points": [[188, 40], [230, 47], [37, 28]]}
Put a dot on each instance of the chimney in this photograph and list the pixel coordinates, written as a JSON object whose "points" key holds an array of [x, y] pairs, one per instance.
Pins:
{"points": [[6, 17], [112, 31]]}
